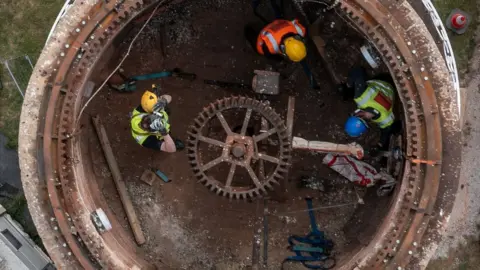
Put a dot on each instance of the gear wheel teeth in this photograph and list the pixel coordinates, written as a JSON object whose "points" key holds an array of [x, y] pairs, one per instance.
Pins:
{"points": [[242, 100], [192, 134], [269, 186], [236, 101], [198, 123], [208, 113]]}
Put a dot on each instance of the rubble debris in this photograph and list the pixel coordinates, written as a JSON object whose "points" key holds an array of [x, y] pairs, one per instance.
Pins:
{"points": [[148, 177]]}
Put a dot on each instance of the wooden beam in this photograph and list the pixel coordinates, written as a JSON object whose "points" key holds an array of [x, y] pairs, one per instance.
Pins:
{"points": [[119, 182], [314, 33], [290, 120], [290, 116]]}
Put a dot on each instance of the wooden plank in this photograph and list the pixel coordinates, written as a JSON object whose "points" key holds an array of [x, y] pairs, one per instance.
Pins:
{"points": [[290, 115], [290, 118], [119, 182], [314, 32]]}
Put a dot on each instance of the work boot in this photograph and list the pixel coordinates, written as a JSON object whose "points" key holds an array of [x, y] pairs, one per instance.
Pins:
{"points": [[179, 145]]}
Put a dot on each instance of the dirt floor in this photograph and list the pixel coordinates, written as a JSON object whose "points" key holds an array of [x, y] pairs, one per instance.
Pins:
{"points": [[187, 226]]}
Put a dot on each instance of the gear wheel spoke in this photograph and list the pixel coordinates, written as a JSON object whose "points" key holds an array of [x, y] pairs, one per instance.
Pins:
{"points": [[233, 167], [265, 135], [268, 158], [239, 149], [248, 114], [212, 163], [211, 141], [254, 177], [224, 123]]}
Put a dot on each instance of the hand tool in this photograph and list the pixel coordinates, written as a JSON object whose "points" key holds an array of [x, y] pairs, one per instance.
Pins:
{"points": [[162, 176], [308, 72], [313, 250]]}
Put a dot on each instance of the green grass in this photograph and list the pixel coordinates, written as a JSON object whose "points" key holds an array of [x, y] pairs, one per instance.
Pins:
{"points": [[10, 107], [23, 31], [29, 22], [463, 45]]}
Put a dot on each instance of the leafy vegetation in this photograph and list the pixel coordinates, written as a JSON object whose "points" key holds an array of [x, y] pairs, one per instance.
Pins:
{"points": [[23, 31]]}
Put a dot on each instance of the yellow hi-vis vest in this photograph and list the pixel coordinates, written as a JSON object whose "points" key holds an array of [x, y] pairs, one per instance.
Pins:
{"points": [[378, 91], [138, 133]]}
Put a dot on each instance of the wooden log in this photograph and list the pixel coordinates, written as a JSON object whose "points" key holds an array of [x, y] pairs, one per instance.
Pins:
{"points": [[119, 182]]}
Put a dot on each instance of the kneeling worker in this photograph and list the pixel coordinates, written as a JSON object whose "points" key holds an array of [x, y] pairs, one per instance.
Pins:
{"points": [[279, 38], [375, 100], [150, 123]]}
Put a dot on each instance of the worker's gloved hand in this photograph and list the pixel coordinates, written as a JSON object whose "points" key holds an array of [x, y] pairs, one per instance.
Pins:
{"points": [[162, 103], [366, 115], [158, 124]]}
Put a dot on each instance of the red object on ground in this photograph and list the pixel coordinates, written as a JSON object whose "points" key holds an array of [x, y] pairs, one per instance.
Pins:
{"points": [[459, 21]]}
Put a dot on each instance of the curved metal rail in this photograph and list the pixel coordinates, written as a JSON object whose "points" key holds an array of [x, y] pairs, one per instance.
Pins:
{"points": [[91, 37], [401, 51], [384, 22]]}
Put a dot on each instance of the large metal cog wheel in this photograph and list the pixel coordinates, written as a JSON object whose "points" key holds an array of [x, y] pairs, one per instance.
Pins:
{"points": [[239, 149]]}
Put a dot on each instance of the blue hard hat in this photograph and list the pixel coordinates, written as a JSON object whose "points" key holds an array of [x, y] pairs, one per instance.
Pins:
{"points": [[355, 126]]}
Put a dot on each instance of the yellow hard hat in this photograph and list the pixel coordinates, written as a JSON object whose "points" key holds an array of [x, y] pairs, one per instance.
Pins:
{"points": [[295, 49], [149, 99]]}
